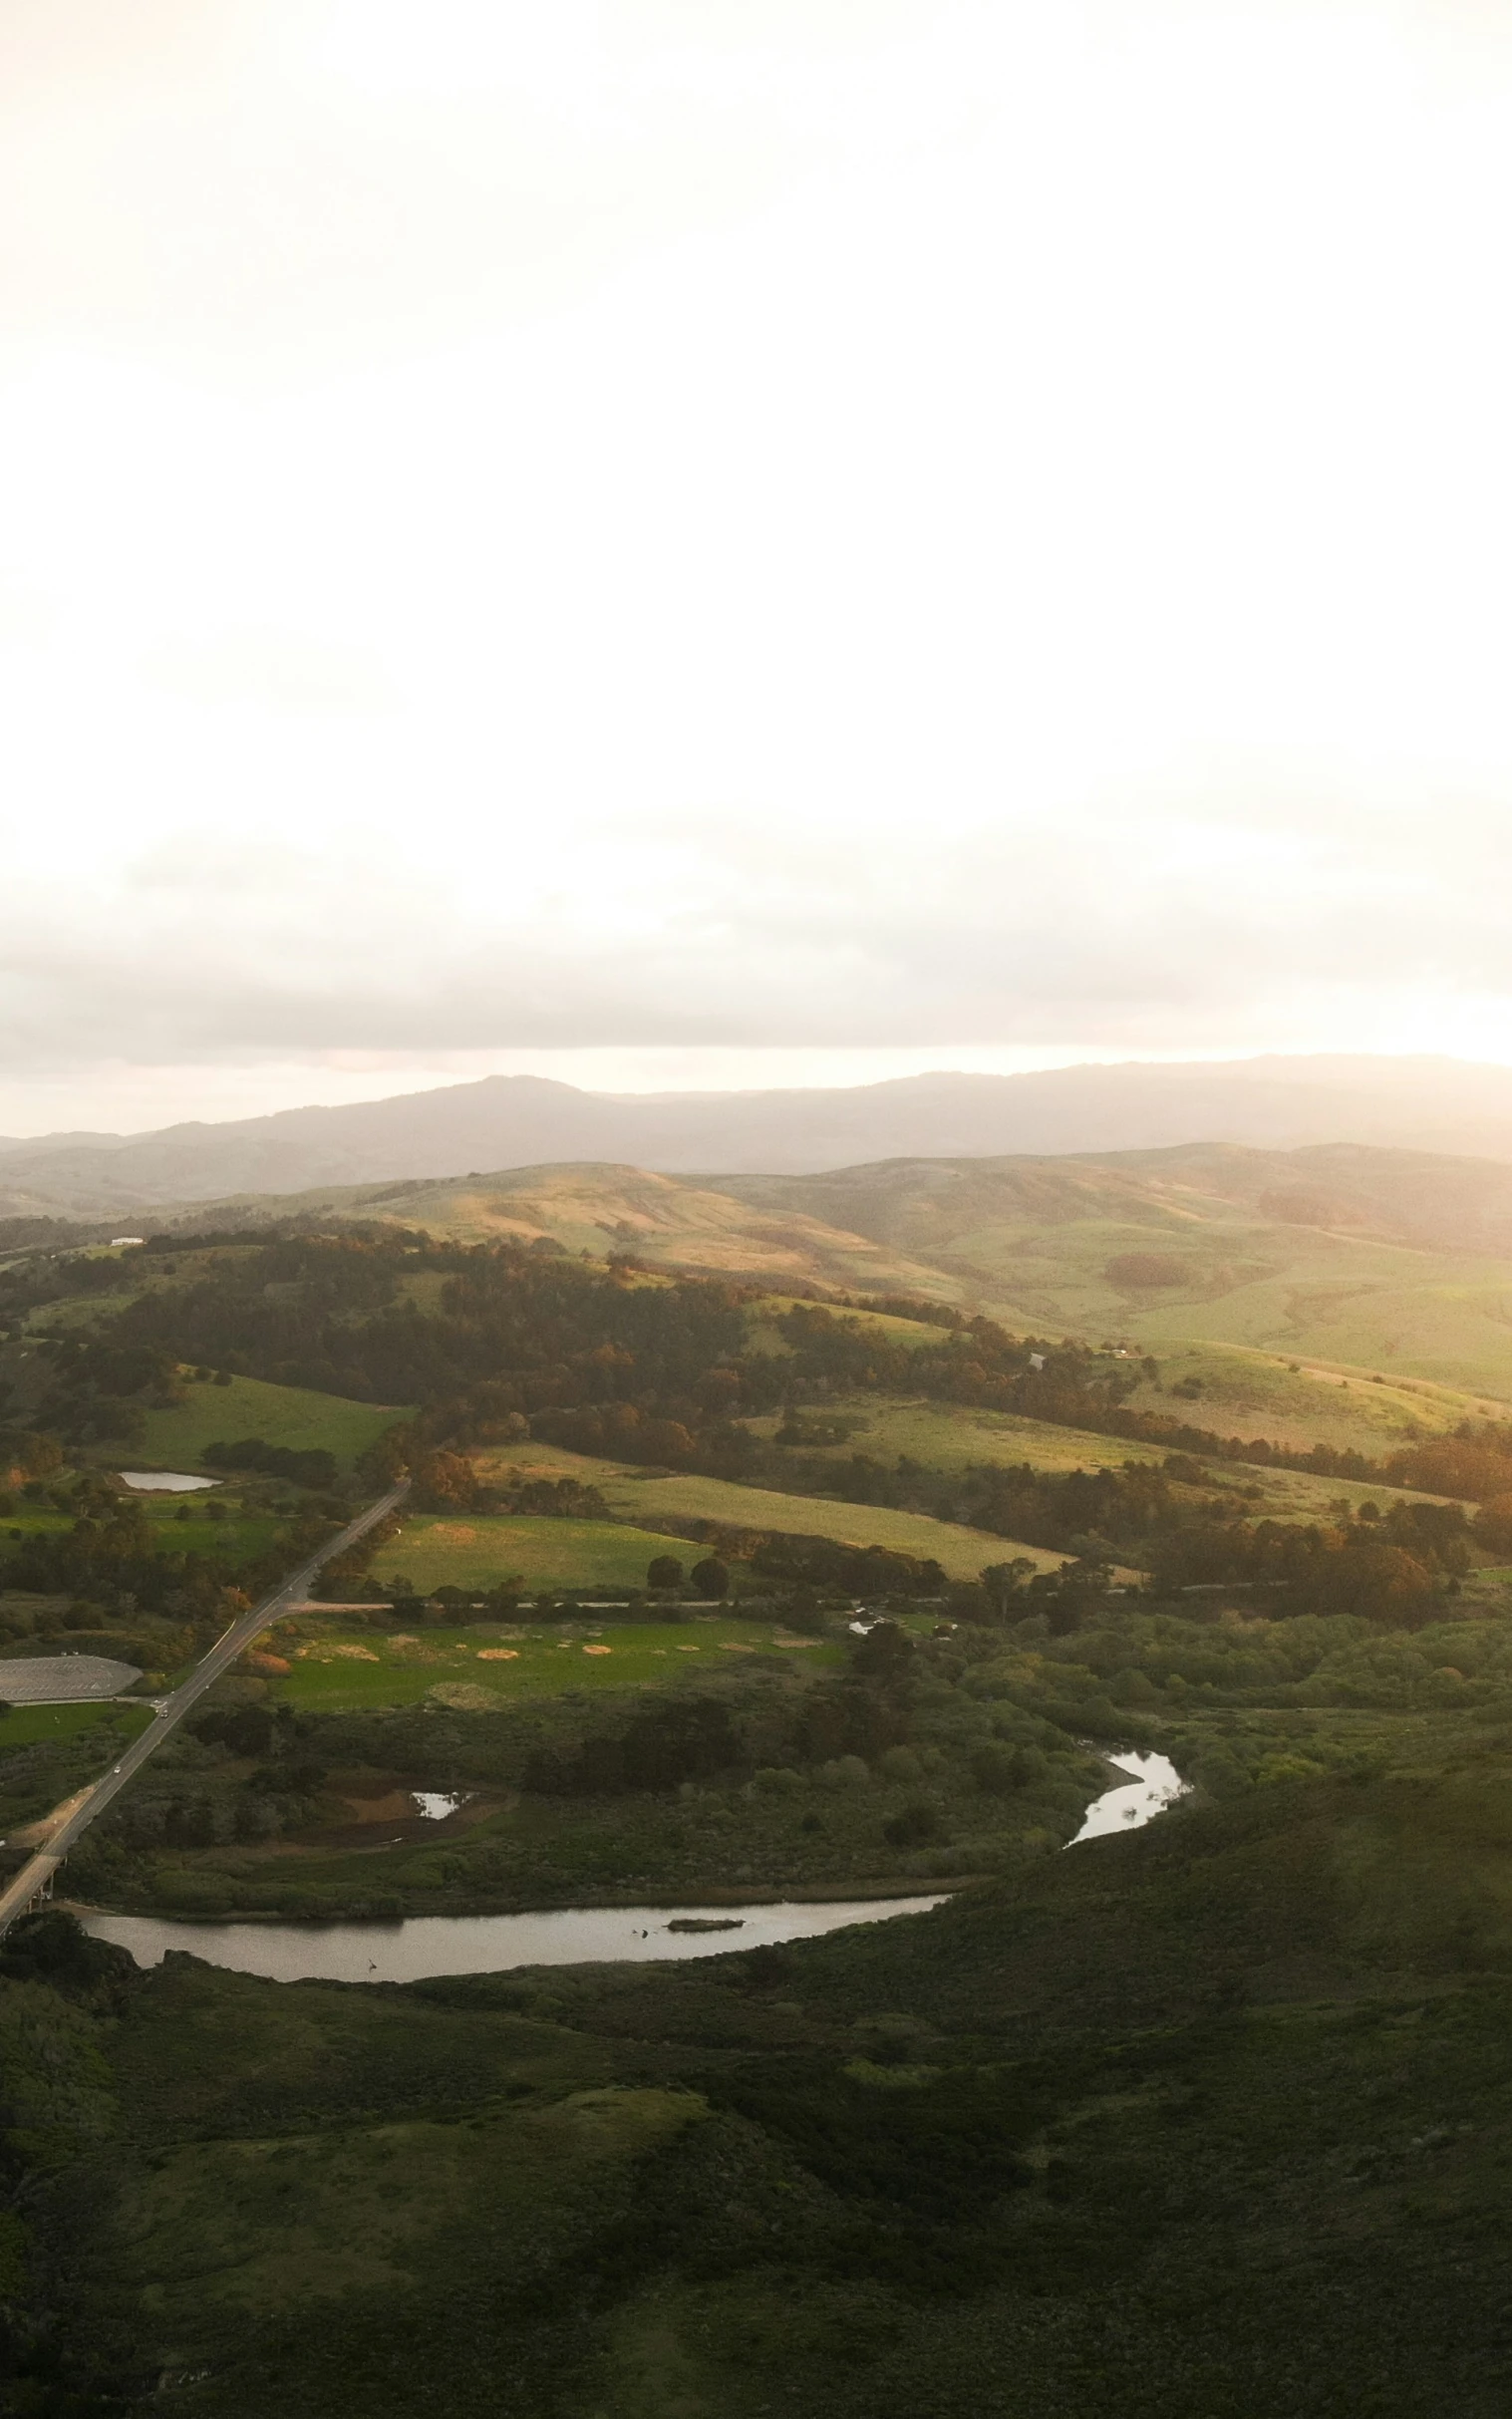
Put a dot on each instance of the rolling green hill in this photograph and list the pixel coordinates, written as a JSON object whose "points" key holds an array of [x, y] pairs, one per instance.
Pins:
{"points": [[293, 1416], [1375, 1260], [1370, 1258]]}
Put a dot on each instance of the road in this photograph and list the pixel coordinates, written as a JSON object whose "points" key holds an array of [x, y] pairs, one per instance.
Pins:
{"points": [[288, 1598]]}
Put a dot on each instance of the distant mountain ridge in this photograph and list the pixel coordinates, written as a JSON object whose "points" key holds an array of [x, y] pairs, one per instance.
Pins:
{"points": [[1440, 1106]]}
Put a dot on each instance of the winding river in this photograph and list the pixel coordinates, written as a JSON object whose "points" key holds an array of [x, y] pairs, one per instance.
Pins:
{"points": [[1155, 1784], [421, 1946]]}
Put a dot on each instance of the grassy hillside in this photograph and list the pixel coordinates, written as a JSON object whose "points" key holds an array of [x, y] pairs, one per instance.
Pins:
{"points": [[601, 1209], [1396, 1261], [947, 1437], [1228, 1246], [1373, 1259], [280, 1414], [636, 1494]]}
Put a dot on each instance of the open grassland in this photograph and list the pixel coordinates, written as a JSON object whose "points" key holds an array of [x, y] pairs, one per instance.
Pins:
{"points": [[344, 1668], [602, 1208], [36, 1725], [475, 1550], [1376, 1280], [960, 1553], [1411, 1313], [289, 1415], [1302, 1402], [1450, 1322], [947, 1437]]}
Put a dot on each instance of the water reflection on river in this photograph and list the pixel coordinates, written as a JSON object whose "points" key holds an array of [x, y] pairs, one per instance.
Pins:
{"points": [[1155, 1784], [426, 1945], [483, 1943]]}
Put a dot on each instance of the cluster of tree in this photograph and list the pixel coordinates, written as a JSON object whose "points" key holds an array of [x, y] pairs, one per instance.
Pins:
{"points": [[311, 1466], [115, 1564], [1391, 1571], [99, 1387], [667, 1742], [510, 1331], [27, 1454]]}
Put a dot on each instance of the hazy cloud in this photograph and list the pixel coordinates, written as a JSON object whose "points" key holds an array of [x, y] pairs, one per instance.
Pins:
{"points": [[750, 523]]}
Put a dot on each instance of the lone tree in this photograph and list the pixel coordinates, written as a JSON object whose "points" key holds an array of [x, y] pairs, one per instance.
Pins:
{"points": [[665, 1571], [711, 1578]]}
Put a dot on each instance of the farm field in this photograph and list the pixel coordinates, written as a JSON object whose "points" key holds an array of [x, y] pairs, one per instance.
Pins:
{"points": [[34, 1726], [473, 1671], [947, 1437], [962, 1553], [294, 1416], [475, 1550]]}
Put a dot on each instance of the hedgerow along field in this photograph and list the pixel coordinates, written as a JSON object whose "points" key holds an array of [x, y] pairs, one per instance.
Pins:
{"points": [[472, 1671]]}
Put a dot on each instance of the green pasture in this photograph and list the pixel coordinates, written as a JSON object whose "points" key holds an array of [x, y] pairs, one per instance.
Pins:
{"points": [[947, 1437], [293, 1416], [1302, 1400], [345, 1670], [32, 1726], [962, 1553], [1299, 1293], [469, 1550], [242, 1535]]}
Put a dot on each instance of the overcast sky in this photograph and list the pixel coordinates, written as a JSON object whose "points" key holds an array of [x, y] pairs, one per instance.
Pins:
{"points": [[838, 536]]}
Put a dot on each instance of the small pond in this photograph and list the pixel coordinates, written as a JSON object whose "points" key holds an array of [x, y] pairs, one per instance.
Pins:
{"points": [[1156, 1783], [164, 1483], [426, 1945]]}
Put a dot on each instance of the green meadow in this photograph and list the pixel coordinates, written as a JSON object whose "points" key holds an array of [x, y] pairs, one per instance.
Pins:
{"points": [[36, 1725], [289, 1415], [946, 1436], [962, 1553], [473, 1671], [477, 1550]]}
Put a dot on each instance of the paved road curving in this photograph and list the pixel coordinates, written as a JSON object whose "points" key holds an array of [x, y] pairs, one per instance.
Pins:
{"points": [[289, 1597]]}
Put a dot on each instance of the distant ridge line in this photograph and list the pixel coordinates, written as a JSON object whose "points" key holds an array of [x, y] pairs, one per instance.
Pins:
{"points": [[1441, 1106]]}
